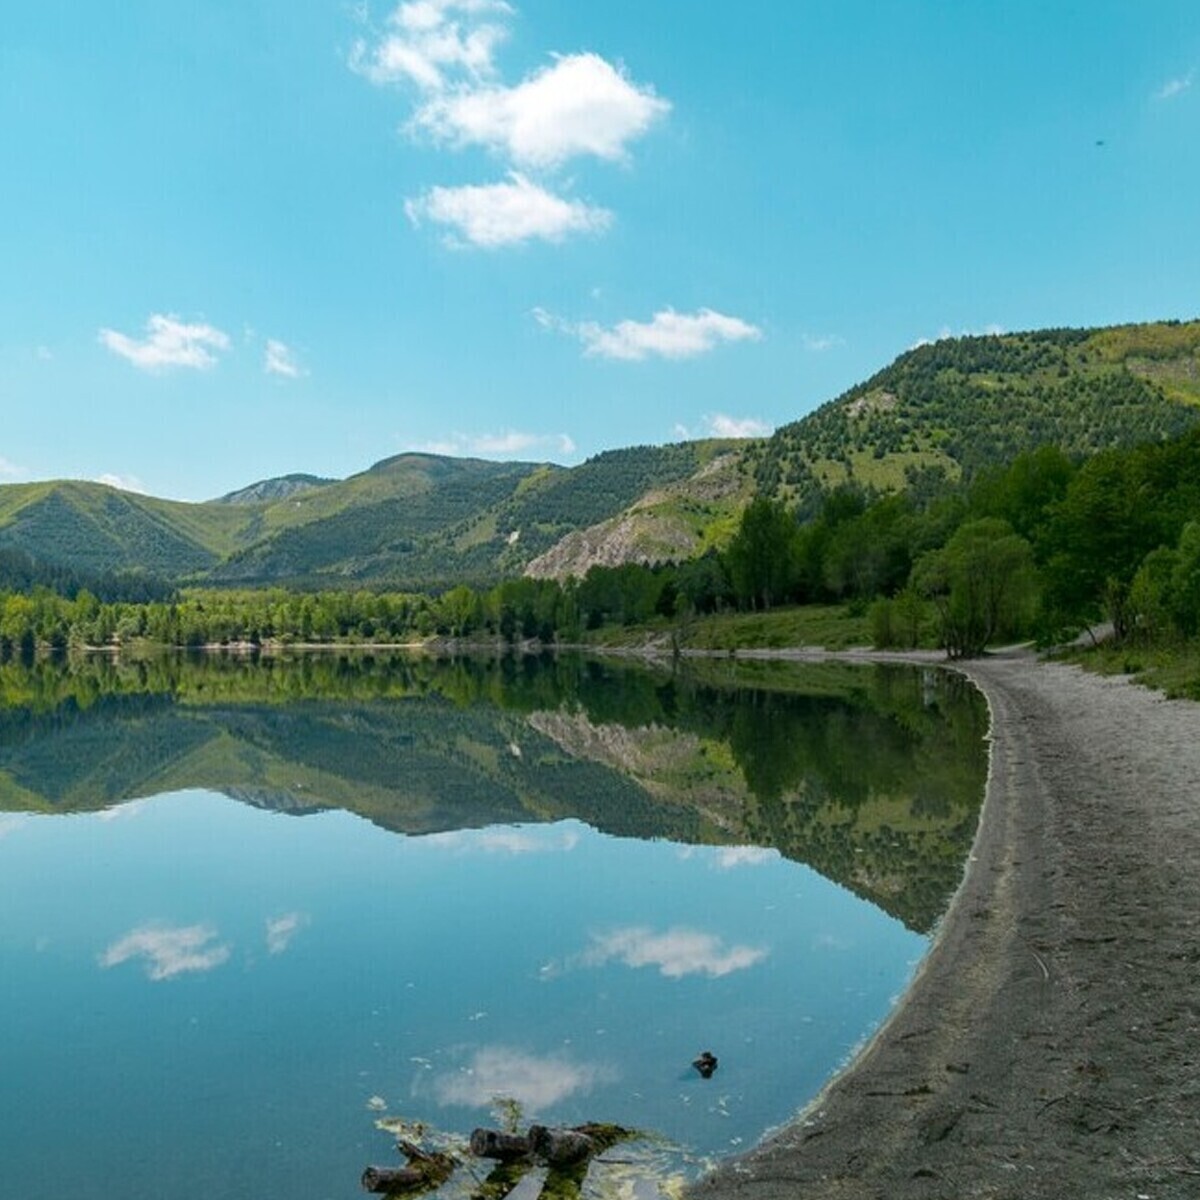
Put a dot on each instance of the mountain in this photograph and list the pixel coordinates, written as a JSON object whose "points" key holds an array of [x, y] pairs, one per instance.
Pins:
{"points": [[279, 488], [950, 407], [939, 412]]}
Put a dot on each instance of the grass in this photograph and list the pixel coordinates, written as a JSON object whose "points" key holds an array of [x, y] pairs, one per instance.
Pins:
{"points": [[1175, 671], [831, 627]]}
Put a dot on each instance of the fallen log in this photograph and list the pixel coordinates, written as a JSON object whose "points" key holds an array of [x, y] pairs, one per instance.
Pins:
{"points": [[562, 1147], [424, 1172], [492, 1143], [391, 1181]]}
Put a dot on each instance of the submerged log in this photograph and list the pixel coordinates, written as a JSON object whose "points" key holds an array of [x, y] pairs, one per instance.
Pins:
{"points": [[562, 1147], [392, 1181], [492, 1143], [424, 1172]]}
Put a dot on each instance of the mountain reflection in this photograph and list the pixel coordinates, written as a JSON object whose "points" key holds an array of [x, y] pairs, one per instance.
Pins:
{"points": [[870, 774]]}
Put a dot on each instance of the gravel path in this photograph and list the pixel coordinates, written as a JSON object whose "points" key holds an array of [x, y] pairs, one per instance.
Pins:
{"points": [[1050, 1046]]}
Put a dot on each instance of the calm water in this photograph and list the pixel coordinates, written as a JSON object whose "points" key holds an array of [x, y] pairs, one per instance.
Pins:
{"points": [[570, 879]]}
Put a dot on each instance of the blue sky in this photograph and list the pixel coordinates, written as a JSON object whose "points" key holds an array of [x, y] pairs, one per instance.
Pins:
{"points": [[245, 237]]}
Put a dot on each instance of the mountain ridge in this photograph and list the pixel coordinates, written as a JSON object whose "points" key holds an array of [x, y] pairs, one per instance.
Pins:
{"points": [[417, 521]]}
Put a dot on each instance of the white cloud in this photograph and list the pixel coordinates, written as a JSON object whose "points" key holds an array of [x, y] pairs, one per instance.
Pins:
{"points": [[722, 426], [581, 105], [10, 470], [505, 214], [819, 342], [508, 444], [676, 953], [945, 333], [668, 334], [168, 951], [537, 1083], [1175, 87], [126, 483], [433, 43], [281, 930], [280, 359], [169, 342]]}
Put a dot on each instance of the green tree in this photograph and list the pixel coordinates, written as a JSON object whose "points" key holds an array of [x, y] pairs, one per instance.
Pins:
{"points": [[982, 584], [762, 558]]}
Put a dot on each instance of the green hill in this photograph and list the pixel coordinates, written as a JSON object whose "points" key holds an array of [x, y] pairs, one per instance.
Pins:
{"points": [[422, 521], [954, 406]]}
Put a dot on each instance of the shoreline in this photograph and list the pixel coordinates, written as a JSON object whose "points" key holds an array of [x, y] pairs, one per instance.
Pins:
{"points": [[1049, 1045]]}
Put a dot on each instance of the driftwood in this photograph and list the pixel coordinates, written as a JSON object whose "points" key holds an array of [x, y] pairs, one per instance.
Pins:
{"points": [[506, 1147], [567, 1153], [424, 1172]]}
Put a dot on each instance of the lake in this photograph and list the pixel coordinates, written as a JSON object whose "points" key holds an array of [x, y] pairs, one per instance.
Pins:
{"points": [[253, 913]]}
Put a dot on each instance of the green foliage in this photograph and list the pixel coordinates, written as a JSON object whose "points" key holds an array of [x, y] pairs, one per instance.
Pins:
{"points": [[981, 583], [763, 558], [966, 404]]}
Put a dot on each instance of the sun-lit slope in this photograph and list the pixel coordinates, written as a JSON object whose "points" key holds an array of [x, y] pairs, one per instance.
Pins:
{"points": [[668, 524], [370, 524], [963, 403], [423, 520], [93, 527]]}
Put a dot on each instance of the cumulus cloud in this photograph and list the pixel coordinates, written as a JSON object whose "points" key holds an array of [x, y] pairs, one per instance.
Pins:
{"points": [[505, 214], [945, 333], [668, 334], [433, 43], [126, 483], [280, 359], [169, 951], [536, 1082], [281, 930], [819, 342], [169, 342], [676, 952], [1175, 87], [724, 426], [579, 106]]}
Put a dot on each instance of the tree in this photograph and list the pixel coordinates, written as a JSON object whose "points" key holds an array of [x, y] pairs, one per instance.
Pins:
{"points": [[762, 558], [982, 584]]}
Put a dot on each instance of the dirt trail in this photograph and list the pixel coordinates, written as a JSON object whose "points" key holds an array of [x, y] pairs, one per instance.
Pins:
{"points": [[1051, 1045]]}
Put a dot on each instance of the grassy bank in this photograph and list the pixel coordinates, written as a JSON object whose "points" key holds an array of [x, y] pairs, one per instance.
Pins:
{"points": [[1174, 671], [831, 627]]}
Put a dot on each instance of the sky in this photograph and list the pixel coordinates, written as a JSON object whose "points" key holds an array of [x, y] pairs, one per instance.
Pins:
{"points": [[242, 238]]}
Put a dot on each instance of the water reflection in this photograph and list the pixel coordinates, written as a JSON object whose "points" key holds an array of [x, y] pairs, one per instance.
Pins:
{"points": [[872, 775], [226, 987]]}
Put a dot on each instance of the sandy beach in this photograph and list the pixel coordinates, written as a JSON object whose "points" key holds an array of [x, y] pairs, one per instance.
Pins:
{"points": [[1050, 1046]]}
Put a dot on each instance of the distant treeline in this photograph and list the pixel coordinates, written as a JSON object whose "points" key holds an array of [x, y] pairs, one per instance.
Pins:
{"points": [[1040, 547]]}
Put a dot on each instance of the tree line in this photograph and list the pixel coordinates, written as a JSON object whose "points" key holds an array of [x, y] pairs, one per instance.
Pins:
{"points": [[1038, 548]]}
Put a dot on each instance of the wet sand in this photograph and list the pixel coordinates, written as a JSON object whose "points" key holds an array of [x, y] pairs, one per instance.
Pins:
{"points": [[1050, 1046]]}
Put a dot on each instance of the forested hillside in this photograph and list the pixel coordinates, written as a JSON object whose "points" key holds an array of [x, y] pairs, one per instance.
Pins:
{"points": [[954, 406], [939, 414]]}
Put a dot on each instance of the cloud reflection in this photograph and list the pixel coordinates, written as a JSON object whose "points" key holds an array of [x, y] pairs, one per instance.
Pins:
{"points": [[281, 930], [168, 951], [516, 839], [675, 952], [535, 1082], [10, 825]]}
